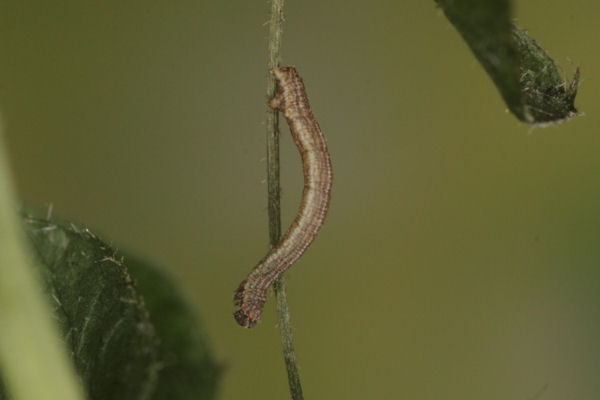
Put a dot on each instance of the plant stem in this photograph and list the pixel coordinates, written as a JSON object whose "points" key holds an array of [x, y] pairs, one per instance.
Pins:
{"points": [[273, 126], [34, 361], [287, 340]]}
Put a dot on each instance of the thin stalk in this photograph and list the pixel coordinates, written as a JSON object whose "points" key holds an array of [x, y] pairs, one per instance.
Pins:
{"points": [[33, 358], [287, 340]]}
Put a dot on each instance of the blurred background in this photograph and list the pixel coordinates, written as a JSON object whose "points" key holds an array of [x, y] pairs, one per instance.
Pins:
{"points": [[460, 256]]}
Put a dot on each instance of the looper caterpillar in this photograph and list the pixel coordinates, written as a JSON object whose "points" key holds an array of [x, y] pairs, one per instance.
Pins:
{"points": [[291, 99]]}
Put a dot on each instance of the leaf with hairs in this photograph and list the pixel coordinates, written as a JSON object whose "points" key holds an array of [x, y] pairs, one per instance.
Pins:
{"points": [[521, 69]]}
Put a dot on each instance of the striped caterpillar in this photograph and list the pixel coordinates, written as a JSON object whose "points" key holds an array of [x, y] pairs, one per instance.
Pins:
{"points": [[291, 99]]}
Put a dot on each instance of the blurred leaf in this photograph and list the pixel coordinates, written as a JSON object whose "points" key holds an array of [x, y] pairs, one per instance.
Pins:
{"points": [[104, 321], [114, 342], [188, 369], [525, 75]]}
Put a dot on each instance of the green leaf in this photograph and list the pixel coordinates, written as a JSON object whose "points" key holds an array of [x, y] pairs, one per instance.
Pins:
{"points": [[525, 75], [104, 321], [188, 369], [120, 350]]}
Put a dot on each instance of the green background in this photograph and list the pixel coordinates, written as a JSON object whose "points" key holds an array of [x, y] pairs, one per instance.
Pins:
{"points": [[460, 256]]}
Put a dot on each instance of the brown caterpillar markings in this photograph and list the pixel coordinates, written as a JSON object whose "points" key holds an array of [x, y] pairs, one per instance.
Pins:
{"points": [[291, 99]]}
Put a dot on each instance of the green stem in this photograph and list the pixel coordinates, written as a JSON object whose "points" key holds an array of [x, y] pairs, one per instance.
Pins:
{"points": [[273, 126], [287, 340], [33, 359]]}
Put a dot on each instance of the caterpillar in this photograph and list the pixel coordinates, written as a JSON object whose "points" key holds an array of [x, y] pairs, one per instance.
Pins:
{"points": [[291, 99]]}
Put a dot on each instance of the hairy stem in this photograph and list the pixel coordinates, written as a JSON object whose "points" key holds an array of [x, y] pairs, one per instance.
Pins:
{"points": [[287, 341], [273, 125], [33, 359]]}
